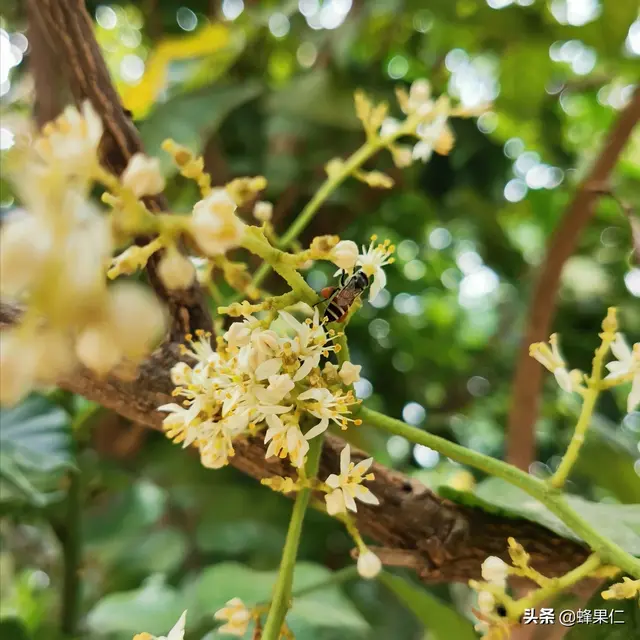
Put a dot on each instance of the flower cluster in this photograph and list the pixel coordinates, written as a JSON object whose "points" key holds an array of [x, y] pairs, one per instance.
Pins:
{"points": [[624, 368], [237, 618], [257, 376], [53, 255]]}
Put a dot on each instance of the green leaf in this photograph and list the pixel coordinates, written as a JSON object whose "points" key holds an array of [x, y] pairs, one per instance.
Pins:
{"points": [[35, 451], [625, 612], [327, 609], [13, 629], [441, 620], [153, 608], [128, 513], [190, 118], [619, 522]]}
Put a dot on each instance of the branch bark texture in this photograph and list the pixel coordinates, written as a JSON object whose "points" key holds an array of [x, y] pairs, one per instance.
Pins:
{"points": [[442, 541], [528, 377]]}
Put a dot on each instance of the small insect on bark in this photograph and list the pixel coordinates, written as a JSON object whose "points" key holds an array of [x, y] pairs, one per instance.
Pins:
{"points": [[341, 298]]}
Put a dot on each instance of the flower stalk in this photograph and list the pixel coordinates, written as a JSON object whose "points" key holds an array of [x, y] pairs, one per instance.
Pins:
{"points": [[281, 599]]}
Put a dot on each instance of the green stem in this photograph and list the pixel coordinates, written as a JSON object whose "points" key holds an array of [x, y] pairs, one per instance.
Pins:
{"points": [[351, 164], [343, 575], [71, 541], [556, 585], [255, 241], [541, 491], [577, 439], [590, 397], [282, 591]]}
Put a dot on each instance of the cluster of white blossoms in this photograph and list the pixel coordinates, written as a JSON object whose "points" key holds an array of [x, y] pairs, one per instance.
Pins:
{"points": [[53, 255], [432, 128], [257, 376]]}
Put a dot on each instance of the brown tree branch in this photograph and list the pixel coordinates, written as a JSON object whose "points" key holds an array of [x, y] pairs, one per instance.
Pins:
{"points": [[528, 377], [442, 541], [70, 32]]}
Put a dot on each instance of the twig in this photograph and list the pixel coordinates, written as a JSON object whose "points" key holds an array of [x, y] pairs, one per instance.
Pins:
{"points": [[528, 377]]}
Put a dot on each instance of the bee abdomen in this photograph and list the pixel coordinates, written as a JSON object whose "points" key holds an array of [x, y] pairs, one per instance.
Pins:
{"points": [[333, 313]]}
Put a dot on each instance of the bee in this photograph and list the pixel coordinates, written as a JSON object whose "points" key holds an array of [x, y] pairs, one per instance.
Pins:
{"points": [[340, 299]]}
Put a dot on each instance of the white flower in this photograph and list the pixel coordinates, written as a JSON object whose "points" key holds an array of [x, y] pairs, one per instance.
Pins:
{"points": [[263, 211], [286, 440], [402, 156], [350, 373], [495, 571], [142, 175], [327, 406], [434, 135], [183, 423], [549, 356], [214, 225], [389, 127], [344, 255], [309, 344], [176, 270], [70, 143], [627, 362], [177, 633], [420, 97], [237, 617], [371, 261], [347, 486], [369, 565], [215, 440]]}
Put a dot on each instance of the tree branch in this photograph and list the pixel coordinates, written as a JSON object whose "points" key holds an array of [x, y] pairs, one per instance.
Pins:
{"points": [[75, 49], [528, 377], [442, 541]]}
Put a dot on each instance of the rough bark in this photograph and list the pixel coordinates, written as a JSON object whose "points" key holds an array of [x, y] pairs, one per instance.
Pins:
{"points": [[442, 541], [69, 32], [527, 382]]}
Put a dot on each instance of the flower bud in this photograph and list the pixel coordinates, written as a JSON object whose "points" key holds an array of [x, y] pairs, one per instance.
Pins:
{"points": [[18, 360], [495, 571], [143, 176], [137, 319], [369, 565], [350, 373], [97, 349], [263, 211], [176, 270], [214, 225]]}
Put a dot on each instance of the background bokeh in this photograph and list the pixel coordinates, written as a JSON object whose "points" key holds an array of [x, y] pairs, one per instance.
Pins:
{"points": [[266, 88]]}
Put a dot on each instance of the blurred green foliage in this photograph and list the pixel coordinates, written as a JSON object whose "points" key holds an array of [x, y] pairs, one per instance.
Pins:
{"points": [[160, 533]]}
